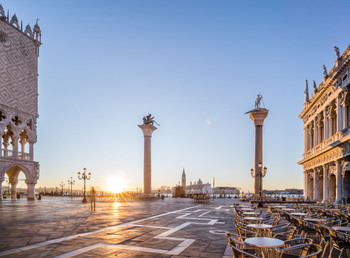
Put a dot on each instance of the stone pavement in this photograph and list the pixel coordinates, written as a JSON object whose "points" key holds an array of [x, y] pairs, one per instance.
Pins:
{"points": [[64, 227]]}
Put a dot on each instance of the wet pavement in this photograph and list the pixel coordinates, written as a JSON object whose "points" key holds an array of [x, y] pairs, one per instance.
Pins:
{"points": [[64, 227]]}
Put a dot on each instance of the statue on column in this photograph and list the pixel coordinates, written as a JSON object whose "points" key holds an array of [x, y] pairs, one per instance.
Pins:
{"points": [[257, 101], [315, 87], [149, 120]]}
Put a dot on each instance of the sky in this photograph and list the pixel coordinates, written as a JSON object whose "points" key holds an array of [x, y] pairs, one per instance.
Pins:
{"points": [[197, 66]]}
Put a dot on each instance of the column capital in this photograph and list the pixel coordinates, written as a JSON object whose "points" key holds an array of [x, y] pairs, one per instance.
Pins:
{"points": [[147, 130], [258, 116]]}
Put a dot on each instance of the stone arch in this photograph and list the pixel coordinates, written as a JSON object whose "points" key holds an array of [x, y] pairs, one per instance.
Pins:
{"points": [[12, 171]]}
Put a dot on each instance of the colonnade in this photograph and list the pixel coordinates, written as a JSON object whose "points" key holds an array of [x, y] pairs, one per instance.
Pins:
{"points": [[332, 119]]}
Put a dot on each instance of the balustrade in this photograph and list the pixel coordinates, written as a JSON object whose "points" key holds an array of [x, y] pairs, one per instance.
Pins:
{"points": [[10, 153], [323, 144]]}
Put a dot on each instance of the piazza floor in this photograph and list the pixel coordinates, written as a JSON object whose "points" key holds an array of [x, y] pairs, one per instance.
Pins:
{"points": [[64, 227]]}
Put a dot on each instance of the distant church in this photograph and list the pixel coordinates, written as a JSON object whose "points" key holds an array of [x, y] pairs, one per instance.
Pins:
{"points": [[195, 188], [19, 52]]}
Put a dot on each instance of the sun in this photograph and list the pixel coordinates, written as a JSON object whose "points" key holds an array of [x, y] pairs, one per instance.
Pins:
{"points": [[115, 185]]}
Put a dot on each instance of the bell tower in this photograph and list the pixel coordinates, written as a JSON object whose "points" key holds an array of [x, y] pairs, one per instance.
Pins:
{"points": [[19, 52], [183, 178]]}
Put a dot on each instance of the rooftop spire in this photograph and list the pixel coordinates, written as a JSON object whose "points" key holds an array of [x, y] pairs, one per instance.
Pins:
{"points": [[306, 92]]}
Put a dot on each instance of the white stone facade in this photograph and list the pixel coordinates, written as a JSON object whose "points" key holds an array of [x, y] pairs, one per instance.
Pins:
{"points": [[326, 118], [19, 52]]}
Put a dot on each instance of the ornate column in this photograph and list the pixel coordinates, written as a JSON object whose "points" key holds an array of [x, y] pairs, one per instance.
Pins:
{"points": [[305, 139], [305, 184], [325, 184], [1, 189], [339, 114], [326, 122], [6, 144], [13, 183], [308, 137], [1, 144], [147, 130], [31, 150], [15, 139], [258, 116], [316, 176], [338, 193]]}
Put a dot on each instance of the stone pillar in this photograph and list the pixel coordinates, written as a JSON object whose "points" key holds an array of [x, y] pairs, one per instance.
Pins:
{"points": [[325, 184], [1, 189], [305, 139], [339, 116], [13, 189], [338, 175], [31, 150], [0, 145], [305, 185], [15, 146], [30, 191], [316, 184], [258, 116], [147, 133], [325, 124]]}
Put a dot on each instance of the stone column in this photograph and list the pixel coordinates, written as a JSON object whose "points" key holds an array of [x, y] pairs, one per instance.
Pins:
{"points": [[15, 146], [30, 190], [339, 116], [1, 189], [31, 150], [315, 184], [325, 184], [0, 145], [305, 185], [338, 175], [258, 116], [13, 189], [147, 133], [325, 124]]}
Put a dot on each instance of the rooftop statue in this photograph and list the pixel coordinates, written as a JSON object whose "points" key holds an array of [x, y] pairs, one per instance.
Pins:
{"points": [[149, 120], [336, 50], [257, 101], [315, 87], [325, 71]]}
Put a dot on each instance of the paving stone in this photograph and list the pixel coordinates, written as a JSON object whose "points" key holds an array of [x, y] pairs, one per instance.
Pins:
{"points": [[54, 218]]}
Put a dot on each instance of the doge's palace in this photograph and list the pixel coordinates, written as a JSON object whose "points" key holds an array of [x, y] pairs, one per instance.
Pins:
{"points": [[19, 52], [326, 117]]}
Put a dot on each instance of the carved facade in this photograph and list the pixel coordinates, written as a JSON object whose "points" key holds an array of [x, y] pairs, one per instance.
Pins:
{"points": [[19, 52], [326, 118]]}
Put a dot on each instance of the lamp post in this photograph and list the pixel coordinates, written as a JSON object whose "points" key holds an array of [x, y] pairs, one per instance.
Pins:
{"points": [[259, 174], [84, 177], [61, 185], [71, 182]]}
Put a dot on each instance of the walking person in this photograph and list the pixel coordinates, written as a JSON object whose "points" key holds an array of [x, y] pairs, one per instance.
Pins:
{"points": [[93, 198]]}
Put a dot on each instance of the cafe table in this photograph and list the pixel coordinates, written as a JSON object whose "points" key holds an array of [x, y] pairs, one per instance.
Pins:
{"points": [[288, 209], [246, 209], [281, 206], [253, 218], [267, 244], [339, 228], [300, 214], [251, 213], [260, 228], [314, 220]]}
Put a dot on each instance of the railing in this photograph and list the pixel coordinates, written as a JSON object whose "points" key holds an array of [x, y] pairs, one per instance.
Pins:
{"points": [[323, 144], [10, 153]]}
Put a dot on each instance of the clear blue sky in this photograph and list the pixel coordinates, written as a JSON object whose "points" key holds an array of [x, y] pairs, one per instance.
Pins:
{"points": [[105, 64]]}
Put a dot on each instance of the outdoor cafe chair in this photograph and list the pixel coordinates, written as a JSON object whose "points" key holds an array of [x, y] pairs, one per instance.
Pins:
{"points": [[238, 253], [245, 232], [237, 241], [304, 250], [337, 242]]}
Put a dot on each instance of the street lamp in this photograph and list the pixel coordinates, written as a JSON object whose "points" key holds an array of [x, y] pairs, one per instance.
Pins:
{"points": [[84, 177], [61, 185], [71, 182], [260, 174]]}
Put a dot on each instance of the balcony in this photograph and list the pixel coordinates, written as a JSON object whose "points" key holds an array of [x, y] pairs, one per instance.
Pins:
{"points": [[10, 153], [323, 145]]}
